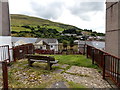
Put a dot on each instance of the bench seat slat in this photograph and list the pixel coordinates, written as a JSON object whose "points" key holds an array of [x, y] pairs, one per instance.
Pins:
{"points": [[38, 60], [54, 62]]}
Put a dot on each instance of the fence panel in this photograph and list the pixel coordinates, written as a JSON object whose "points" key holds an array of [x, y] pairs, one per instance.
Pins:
{"points": [[98, 57], [4, 53], [20, 51], [107, 62], [89, 51], [112, 68]]}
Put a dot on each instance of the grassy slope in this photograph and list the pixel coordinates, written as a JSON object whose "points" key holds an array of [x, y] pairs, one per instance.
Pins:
{"points": [[18, 20]]}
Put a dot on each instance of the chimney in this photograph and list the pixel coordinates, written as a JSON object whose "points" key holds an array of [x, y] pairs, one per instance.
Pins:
{"points": [[4, 18]]}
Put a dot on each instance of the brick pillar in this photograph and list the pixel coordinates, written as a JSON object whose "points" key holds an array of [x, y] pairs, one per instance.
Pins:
{"points": [[4, 18], [113, 28]]}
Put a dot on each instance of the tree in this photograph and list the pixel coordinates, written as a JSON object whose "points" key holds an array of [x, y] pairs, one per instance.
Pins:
{"points": [[93, 34], [65, 44], [38, 26], [71, 44]]}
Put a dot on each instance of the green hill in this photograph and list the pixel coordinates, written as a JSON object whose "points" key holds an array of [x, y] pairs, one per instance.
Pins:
{"points": [[27, 26], [17, 21]]}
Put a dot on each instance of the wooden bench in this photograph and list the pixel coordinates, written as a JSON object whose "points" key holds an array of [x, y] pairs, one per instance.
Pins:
{"points": [[45, 59]]}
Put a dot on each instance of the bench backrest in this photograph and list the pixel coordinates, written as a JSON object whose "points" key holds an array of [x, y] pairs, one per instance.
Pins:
{"points": [[38, 57]]}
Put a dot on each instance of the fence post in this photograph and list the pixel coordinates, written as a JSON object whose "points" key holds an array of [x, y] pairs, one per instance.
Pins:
{"points": [[92, 55], [87, 51], [5, 75], [84, 49], [9, 53], [14, 56], [104, 67]]}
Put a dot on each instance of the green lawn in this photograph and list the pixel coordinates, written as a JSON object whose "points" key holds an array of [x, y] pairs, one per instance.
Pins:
{"points": [[74, 60]]}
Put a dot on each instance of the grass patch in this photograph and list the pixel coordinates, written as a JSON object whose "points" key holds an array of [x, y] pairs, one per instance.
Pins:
{"points": [[77, 74], [75, 85], [75, 60]]}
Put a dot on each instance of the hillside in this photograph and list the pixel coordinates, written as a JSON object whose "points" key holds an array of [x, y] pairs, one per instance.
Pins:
{"points": [[27, 26], [18, 20]]}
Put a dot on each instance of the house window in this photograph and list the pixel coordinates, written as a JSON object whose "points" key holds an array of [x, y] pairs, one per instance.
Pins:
{"points": [[51, 46], [40, 47]]}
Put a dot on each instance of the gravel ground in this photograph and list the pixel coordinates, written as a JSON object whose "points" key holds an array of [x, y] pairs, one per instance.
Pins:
{"points": [[86, 76]]}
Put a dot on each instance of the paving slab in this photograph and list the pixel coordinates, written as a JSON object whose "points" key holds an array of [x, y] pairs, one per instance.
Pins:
{"points": [[58, 71], [59, 84]]}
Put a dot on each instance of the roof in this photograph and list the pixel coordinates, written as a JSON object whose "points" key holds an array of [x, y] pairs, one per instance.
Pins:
{"points": [[5, 40], [47, 40], [27, 40]]}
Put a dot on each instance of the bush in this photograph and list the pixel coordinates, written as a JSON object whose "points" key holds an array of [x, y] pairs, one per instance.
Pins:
{"points": [[13, 32]]}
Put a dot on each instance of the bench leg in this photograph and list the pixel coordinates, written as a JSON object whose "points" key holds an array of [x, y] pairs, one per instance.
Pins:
{"points": [[49, 66], [30, 63]]}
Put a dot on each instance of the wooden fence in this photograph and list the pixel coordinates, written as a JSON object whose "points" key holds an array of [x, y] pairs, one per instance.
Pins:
{"points": [[20, 51], [59, 49], [107, 62]]}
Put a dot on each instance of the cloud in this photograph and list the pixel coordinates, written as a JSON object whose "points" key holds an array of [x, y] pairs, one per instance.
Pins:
{"points": [[89, 14], [51, 10], [85, 10]]}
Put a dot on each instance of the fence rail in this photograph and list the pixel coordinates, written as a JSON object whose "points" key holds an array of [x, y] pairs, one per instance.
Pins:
{"points": [[107, 62]]}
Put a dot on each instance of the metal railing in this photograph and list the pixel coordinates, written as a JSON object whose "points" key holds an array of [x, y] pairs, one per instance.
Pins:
{"points": [[107, 62]]}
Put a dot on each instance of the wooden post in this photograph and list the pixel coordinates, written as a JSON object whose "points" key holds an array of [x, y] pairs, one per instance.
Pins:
{"points": [[8, 53], [92, 55], [87, 52], [14, 55], [48, 67], [84, 49], [104, 67], [5, 75]]}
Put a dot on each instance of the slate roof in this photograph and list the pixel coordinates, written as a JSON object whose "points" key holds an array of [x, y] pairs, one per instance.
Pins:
{"points": [[27, 40], [97, 44], [47, 40], [34, 40]]}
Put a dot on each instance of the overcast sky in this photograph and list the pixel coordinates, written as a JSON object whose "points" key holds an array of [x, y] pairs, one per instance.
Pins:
{"points": [[85, 14]]}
